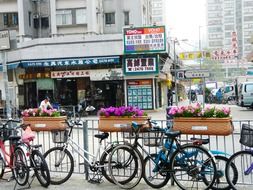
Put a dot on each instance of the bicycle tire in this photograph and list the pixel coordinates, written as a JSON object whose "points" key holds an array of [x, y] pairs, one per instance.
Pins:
{"points": [[245, 157], [221, 181], [56, 172], [20, 169], [40, 168], [117, 161], [162, 179], [2, 166], [103, 161], [189, 159]]}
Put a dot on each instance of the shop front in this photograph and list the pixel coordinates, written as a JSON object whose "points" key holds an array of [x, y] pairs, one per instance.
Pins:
{"points": [[144, 88], [69, 81]]}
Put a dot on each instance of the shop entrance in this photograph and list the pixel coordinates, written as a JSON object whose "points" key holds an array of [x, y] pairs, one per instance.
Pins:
{"points": [[30, 95], [106, 94], [66, 92]]}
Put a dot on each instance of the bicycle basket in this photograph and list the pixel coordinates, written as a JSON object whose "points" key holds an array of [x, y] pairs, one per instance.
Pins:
{"points": [[153, 138], [247, 135], [60, 136]]}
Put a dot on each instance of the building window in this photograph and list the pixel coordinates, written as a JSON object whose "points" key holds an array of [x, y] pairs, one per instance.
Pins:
{"points": [[44, 22], [126, 17], [30, 18], [64, 17], [10, 19], [81, 16], [109, 18]]}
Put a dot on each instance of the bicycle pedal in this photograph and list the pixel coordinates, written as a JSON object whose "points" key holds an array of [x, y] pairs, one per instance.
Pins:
{"points": [[11, 178], [95, 181]]}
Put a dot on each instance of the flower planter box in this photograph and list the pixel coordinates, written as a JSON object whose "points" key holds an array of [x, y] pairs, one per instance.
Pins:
{"points": [[46, 123], [203, 126], [120, 124]]}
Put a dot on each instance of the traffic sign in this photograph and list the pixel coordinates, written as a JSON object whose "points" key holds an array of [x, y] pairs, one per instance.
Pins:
{"points": [[196, 74]]}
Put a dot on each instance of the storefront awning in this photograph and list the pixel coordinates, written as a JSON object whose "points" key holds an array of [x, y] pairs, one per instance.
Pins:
{"points": [[10, 65], [71, 62]]}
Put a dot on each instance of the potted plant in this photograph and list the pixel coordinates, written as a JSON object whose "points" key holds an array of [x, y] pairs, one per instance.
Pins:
{"points": [[193, 119], [43, 120], [116, 119]]}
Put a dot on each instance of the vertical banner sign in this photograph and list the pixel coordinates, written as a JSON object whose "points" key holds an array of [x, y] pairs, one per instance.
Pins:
{"points": [[139, 94], [4, 40], [144, 39]]}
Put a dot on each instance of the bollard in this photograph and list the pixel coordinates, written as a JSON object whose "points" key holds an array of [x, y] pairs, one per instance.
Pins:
{"points": [[86, 147]]}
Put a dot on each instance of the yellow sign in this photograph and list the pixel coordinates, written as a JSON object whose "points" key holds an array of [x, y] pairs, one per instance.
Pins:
{"points": [[194, 55]]}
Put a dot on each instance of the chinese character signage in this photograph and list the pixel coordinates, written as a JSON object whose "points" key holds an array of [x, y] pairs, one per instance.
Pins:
{"points": [[194, 55], [139, 94], [70, 74], [140, 65], [71, 62], [144, 39]]}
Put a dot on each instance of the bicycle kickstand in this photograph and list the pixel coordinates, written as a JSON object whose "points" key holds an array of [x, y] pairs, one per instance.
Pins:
{"points": [[23, 188]]}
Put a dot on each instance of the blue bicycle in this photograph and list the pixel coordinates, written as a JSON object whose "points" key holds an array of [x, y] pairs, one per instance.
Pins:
{"points": [[156, 166]]}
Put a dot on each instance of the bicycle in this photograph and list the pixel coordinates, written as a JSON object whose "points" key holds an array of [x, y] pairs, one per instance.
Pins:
{"points": [[61, 161], [153, 176], [243, 158], [196, 168], [22, 156]]}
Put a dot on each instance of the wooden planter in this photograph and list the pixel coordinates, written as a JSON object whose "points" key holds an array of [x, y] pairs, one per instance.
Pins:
{"points": [[120, 124], [204, 126], [46, 123]]}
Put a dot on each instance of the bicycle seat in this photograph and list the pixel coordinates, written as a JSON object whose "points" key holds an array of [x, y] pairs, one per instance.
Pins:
{"points": [[14, 138], [102, 136], [200, 141], [172, 134]]}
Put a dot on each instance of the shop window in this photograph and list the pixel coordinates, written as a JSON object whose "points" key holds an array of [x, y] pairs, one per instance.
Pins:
{"points": [[36, 22], [109, 18]]}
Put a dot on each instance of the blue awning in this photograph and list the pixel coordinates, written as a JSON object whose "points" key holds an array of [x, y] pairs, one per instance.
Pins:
{"points": [[13, 65], [71, 62]]}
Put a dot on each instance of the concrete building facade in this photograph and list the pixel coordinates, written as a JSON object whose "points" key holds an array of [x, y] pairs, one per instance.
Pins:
{"points": [[71, 50]]}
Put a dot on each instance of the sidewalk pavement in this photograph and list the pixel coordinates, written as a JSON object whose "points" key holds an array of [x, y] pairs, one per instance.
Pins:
{"points": [[76, 182]]}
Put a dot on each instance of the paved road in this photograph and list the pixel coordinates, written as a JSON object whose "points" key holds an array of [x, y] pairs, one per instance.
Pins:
{"points": [[77, 182]]}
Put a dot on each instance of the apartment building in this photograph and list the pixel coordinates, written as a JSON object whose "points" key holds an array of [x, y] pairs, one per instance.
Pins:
{"points": [[225, 17], [158, 12], [69, 49], [229, 29]]}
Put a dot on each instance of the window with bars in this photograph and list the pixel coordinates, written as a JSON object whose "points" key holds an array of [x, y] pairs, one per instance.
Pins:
{"points": [[109, 18], [10, 19]]}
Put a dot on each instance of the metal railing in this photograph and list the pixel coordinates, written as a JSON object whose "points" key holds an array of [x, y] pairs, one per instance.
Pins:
{"points": [[228, 144]]}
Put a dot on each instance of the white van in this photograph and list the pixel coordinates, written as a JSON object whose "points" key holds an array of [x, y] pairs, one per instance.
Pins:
{"points": [[246, 94]]}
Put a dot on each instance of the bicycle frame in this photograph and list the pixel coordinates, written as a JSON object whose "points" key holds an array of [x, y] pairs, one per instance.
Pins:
{"points": [[83, 152], [250, 169], [6, 155]]}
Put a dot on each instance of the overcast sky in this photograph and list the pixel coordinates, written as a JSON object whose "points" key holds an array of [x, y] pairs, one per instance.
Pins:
{"points": [[184, 18]]}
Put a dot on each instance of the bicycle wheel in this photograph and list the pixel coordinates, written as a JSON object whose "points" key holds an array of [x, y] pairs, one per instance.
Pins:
{"points": [[191, 165], [40, 168], [154, 175], [220, 180], [60, 163], [125, 166], [104, 162], [244, 161], [20, 168], [2, 166]]}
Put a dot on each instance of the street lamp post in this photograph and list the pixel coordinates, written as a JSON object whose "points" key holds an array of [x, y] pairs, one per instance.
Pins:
{"points": [[175, 69]]}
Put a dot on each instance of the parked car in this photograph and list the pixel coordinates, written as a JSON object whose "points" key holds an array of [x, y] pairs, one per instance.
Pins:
{"points": [[245, 94]]}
